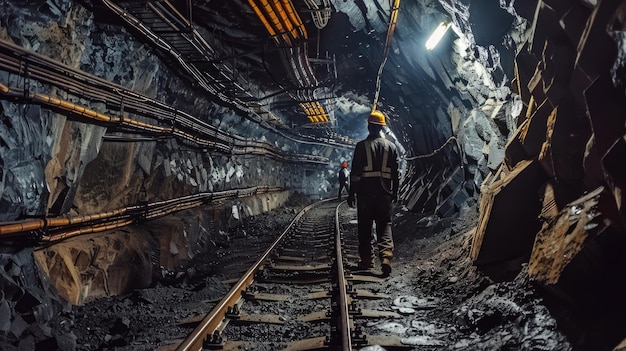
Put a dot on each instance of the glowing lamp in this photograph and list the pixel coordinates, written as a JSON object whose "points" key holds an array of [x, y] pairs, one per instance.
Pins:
{"points": [[437, 35]]}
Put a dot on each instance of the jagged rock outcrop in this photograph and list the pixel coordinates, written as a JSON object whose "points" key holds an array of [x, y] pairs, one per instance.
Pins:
{"points": [[565, 218]]}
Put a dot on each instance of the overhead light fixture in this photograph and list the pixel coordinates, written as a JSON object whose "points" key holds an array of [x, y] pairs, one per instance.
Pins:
{"points": [[437, 35]]}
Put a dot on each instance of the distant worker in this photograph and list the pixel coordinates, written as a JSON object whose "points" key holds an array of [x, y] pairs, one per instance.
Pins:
{"points": [[343, 178], [374, 180]]}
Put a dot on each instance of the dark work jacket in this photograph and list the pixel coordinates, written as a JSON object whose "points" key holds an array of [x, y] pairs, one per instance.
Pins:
{"points": [[374, 173], [344, 174]]}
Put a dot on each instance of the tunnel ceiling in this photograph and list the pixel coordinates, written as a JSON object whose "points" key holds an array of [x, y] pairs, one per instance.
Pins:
{"points": [[291, 81], [319, 74]]}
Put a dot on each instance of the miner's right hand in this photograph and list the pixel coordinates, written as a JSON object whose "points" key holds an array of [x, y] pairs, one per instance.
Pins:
{"points": [[351, 201]]}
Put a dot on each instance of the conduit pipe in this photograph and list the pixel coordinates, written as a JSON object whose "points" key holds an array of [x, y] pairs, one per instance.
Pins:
{"points": [[304, 76], [234, 146], [178, 22], [60, 228], [297, 60], [285, 19], [85, 112], [35, 224], [305, 65], [269, 11], [450, 139], [266, 24], [148, 34], [295, 18], [176, 14], [44, 69], [89, 230], [320, 20], [291, 13]]}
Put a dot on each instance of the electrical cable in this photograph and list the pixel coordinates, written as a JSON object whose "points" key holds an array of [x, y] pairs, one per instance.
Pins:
{"points": [[436, 151], [393, 18]]}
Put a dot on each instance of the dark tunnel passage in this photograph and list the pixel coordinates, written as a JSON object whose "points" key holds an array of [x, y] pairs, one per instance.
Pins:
{"points": [[139, 138]]}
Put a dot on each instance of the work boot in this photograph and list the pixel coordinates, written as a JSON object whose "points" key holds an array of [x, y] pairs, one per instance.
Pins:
{"points": [[385, 266], [365, 264]]}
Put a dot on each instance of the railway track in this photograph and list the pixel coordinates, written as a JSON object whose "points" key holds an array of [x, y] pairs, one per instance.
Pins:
{"points": [[303, 293]]}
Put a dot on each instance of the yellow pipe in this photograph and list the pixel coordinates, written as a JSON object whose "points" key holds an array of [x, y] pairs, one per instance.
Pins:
{"points": [[394, 18], [21, 227], [316, 108], [96, 115], [4, 88], [94, 229], [147, 126], [295, 18], [66, 105], [267, 25], [275, 21], [285, 18], [34, 224]]}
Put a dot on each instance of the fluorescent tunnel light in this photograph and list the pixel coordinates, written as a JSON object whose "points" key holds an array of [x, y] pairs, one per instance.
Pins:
{"points": [[437, 35]]}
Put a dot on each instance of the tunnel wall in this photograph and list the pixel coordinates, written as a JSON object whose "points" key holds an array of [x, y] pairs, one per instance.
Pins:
{"points": [[56, 165], [47, 154], [119, 261], [558, 186]]}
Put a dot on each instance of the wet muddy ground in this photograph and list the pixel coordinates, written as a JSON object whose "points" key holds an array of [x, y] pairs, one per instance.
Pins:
{"points": [[445, 303]]}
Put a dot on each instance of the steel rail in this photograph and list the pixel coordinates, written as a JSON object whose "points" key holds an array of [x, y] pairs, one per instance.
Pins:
{"points": [[213, 319], [345, 326], [341, 338]]}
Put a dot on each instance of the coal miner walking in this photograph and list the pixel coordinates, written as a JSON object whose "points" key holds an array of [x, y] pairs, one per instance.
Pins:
{"points": [[374, 182], [343, 178]]}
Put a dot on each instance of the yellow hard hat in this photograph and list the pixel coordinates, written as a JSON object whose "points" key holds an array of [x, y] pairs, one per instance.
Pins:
{"points": [[377, 117]]}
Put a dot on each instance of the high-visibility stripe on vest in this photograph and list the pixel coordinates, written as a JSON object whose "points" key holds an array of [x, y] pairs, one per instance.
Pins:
{"points": [[368, 170]]}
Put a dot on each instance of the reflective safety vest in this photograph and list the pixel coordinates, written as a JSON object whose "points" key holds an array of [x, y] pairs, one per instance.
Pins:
{"points": [[368, 170], [374, 167]]}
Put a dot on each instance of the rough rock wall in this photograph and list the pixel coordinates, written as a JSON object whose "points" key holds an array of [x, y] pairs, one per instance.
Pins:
{"points": [[31, 311], [555, 203], [453, 107], [118, 261], [52, 164], [65, 31]]}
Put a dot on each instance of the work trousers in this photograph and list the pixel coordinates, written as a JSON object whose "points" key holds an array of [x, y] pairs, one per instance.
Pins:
{"points": [[372, 210], [341, 187]]}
